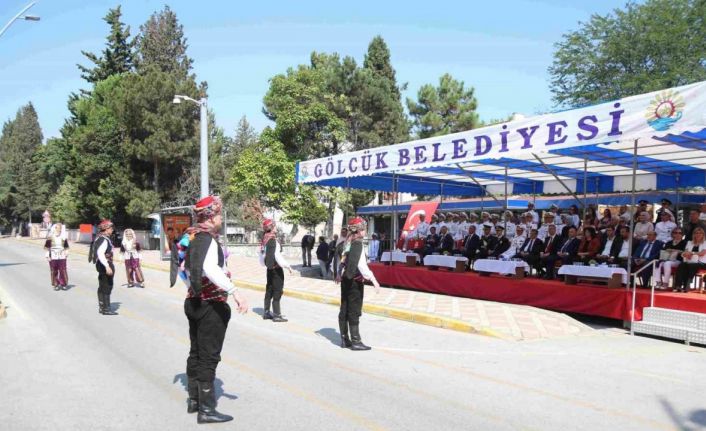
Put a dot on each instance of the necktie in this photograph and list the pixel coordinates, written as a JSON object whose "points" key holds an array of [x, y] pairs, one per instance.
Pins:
{"points": [[566, 244], [529, 246], [645, 252]]}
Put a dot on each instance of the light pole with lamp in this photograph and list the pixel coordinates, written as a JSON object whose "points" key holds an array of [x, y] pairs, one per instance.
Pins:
{"points": [[21, 16], [204, 139]]}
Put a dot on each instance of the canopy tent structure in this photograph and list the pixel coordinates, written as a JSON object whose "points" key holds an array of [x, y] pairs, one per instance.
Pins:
{"points": [[653, 141], [585, 150]]}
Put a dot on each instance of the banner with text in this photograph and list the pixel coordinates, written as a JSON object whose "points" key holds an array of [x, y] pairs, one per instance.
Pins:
{"points": [[654, 114]]}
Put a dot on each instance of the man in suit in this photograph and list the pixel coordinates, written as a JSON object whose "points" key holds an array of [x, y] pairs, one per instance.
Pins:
{"points": [[446, 241], [610, 246], [487, 242], [552, 244], [502, 244], [531, 249], [647, 251], [432, 241], [471, 244], [566, 253]]}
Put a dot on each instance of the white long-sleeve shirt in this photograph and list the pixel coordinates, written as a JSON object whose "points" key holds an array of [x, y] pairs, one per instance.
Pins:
{"points": [[279, 257], [214, 272], [364, 269], [101, 253]]}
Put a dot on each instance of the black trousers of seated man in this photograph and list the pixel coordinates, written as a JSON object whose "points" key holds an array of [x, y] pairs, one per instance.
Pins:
{"points": [[351, 306], [208, 321], [549, 263], [274, 290]]}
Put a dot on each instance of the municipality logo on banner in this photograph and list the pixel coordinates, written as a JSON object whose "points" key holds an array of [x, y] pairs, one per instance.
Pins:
{"points": [[665, 110]]}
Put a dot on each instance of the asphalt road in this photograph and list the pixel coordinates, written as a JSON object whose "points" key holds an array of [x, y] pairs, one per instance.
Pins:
{"points": [[65, 367]]}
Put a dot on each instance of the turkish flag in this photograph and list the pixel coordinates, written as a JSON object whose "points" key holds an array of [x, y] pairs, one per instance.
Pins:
{"points": [[417, 209]]}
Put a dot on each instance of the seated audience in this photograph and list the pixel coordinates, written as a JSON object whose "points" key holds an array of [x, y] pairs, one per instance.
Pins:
{"points": [[643, 226], [530, 251], [590, 245], [646, 251], [565, 255], [516, 242], [694, 259], [610, 246], [670, 259], [471, 244], [432, 241], [502, 244], [446, 242], [487, 242], [665, 226]]}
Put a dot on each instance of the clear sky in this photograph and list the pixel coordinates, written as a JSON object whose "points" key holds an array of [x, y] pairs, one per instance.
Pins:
{"points": [[501, 48]]}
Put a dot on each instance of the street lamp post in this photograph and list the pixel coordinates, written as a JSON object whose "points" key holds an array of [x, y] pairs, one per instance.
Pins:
{"points": [[204, 139], [21, 16]]}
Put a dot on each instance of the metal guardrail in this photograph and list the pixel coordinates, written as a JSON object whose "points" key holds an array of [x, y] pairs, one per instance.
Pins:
{"points": [[652, 263]]}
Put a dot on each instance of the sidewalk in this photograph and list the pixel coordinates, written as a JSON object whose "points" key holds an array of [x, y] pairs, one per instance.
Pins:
{"points": [[507, 321]]}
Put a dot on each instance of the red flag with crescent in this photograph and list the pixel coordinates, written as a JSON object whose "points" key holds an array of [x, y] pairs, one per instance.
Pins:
{"points": [[417, 209]]}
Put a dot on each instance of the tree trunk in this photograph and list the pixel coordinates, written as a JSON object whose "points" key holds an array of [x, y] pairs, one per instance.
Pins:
{"points": [[156, 175]]}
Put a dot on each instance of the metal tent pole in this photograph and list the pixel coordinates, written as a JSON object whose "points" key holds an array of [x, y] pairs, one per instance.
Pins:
{"points": [[505, 206], [585, 187], [556, 177], [630, 241], [676, 204], [394, 213]]}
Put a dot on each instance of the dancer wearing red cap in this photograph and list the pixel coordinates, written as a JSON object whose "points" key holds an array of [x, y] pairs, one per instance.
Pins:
{"points": [[354, 271], [207, 309], [272, 259], [102, 254]]}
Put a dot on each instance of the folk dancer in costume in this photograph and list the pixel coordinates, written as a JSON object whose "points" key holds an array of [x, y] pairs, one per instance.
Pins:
{"points": [[274, 261], [57, 248], [354, 271], [131, 256], [206, 307], [102, 254]]}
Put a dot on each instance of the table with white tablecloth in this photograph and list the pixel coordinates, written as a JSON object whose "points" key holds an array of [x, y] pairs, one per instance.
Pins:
{"points": [[614, 276], [501, 267], [436, 260], [397, 256]]}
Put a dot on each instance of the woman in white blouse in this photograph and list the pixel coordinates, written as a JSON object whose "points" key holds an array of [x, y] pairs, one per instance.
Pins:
{"points": [[643, 226], [664, 228], [694, 256]]}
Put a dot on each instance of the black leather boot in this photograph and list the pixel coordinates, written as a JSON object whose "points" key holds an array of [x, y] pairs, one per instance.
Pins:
{"points": [[107, 311], [101, 303], [277, 312], [207, 405], [345, 340], [192, 404], [356, 343], [267, 315]]}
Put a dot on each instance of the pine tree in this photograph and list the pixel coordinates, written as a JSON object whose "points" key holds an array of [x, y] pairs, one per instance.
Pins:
{"points": [[448, 108], [161, 45], [20, 183], [117, 57], [377, 59]]}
